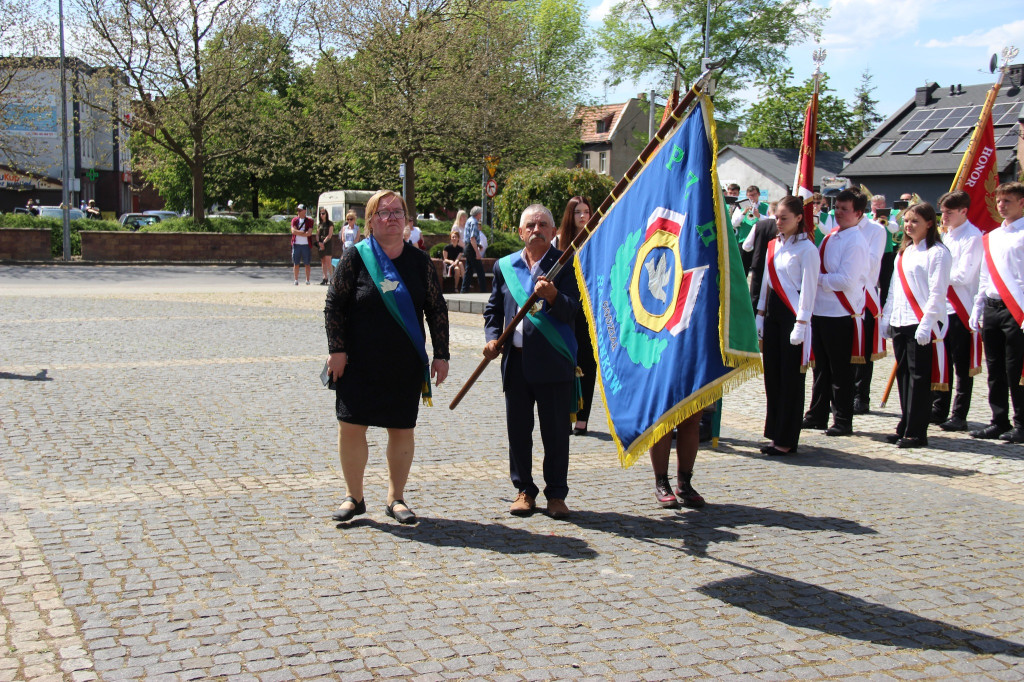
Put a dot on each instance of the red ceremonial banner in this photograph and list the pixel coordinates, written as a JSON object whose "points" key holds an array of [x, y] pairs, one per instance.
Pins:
{"points": [[978, 176], [803, 185]]}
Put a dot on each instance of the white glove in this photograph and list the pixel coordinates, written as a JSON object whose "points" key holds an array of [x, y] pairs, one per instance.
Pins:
{"points": [[759, 323], [796, 337], [977, 318], [923, 336], [885, 329]]}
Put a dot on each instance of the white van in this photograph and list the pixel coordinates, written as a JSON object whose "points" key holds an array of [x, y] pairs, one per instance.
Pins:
{"points": [[339, 202]]}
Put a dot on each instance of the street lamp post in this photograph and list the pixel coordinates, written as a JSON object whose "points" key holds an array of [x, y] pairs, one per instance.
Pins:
{"points": [[65, 198]]}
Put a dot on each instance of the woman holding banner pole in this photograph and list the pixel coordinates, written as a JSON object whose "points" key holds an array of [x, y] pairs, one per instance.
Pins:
{"points": [[788, 288], [915, 319]]}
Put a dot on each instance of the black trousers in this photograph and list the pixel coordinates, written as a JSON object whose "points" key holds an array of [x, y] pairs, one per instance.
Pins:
{"points": [[862, 373], [914, 381], [1004, 354], [587, 364], [832, 388], [885, 275], [784, 385], [552, 401], [958, 356], [474, 266]]}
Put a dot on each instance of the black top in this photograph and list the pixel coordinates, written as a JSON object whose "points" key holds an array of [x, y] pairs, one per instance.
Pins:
{"points": [[452, 251]]}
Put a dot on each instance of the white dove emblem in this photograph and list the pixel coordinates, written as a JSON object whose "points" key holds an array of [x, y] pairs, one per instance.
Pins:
{"points": [[658, 277], [388, 285]]}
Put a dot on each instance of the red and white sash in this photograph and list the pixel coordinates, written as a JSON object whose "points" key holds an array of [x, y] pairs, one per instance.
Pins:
{"points": [[873, 307], [1013, 298], [940, 369], [957, 301], [858, 318], [788, 295]]}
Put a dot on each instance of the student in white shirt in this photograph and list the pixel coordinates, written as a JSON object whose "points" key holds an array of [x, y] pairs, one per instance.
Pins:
{"points": [[914, 316], [837, 323], [999, 314], [963, 347], [789, 284], [876, 237]]}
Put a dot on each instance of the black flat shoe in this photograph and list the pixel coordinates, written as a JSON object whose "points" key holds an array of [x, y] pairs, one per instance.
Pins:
{"points": [[838, 431], [990, 432], [1014, 436], [954, 424], [775, 452], [912, 443], [405, 516], [577, 431], [893, 438], [343, 515], [812, 425]]}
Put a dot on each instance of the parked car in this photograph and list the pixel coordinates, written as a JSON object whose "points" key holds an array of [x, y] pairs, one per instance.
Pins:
{"points": [[225, 216], [134, 221], [163, 215], [430, 216], [58, 213]]}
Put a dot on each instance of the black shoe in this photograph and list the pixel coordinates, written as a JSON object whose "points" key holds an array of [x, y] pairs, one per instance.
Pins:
{"points": [[685, 492], [954, 424], [1014, 436], [912, 443], [663, 492], [775, 452], [990, 432], [343, 515], [893, 438], [838, 431], [577, 431], [401, 515], [809, 423], [861, 406]]}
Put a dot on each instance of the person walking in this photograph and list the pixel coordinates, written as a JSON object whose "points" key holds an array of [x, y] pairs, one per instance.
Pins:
{"points": [[471, 242], [381, 293], [538, 366], [302, 233]]}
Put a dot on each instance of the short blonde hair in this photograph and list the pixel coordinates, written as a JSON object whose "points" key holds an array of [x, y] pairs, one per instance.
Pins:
{"points": [[351, 214], [371, 207]]}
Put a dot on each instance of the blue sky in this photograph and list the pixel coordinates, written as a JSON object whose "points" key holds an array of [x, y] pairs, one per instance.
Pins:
{"points": [[903, 43]]}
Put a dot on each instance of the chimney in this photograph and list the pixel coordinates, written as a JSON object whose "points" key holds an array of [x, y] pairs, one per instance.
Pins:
{"points": [[924, 95], [959, 89], [952, 90]]}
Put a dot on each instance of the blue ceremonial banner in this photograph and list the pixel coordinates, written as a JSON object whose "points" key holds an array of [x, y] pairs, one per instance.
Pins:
{"points": [[665, 293]]}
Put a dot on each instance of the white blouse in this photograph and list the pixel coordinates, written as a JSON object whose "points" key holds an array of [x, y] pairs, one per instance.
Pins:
{"points": [[797, 266], [927, 273]]}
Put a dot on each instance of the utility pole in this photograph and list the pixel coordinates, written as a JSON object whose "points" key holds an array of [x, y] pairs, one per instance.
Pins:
{"points": [[65, 198]]}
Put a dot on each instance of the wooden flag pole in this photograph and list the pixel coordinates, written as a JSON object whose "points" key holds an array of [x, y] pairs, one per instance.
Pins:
{"points": [[581, 237]]}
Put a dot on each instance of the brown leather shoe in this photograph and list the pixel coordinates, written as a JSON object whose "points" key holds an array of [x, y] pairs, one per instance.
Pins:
{"points": [[524, 505], [557, 509]]}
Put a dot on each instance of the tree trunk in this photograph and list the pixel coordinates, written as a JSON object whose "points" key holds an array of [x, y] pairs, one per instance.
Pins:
{"points": [[198, 206], [254, 185], [410, 185]]}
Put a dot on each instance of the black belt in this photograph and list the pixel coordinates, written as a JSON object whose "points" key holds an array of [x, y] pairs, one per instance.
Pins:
{"points": [[994, 303]]}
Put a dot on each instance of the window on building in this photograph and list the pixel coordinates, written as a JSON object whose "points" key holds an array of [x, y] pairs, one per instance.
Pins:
{"points": [[879, 148], [602, 163], [586, 160]]}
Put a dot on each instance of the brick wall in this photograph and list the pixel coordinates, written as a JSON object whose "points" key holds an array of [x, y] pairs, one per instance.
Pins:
{"points": [[188, 247], [24, 244]]}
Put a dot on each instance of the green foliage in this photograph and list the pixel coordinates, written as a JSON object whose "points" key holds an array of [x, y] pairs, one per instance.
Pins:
{"points": [[865, 108], [503, 243], [777, 122], [245, 225], [551, 187], [442, 188], [437, 250], [646, 39], [56, 228], [435, 226]]}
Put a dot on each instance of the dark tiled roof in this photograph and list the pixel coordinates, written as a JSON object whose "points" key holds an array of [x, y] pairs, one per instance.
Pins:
{"points": [[781, 163], [946, 132]]}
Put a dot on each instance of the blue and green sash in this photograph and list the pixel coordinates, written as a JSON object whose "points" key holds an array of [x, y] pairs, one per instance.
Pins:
{"points": [[397, 300], [520, 284]]}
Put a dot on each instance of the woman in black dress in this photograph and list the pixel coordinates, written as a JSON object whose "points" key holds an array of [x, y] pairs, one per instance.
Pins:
{"points": [[574, 218], [379, 372], [324, 242]]}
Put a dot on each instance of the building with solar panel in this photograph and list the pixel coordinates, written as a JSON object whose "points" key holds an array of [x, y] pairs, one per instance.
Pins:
{"points": [[919, 148]]}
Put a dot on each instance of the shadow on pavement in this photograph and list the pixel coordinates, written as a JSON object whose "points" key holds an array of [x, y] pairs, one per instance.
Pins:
{"points": [[493, 537], [815, 456], [40, 376], [802, 605], [699, 529]]}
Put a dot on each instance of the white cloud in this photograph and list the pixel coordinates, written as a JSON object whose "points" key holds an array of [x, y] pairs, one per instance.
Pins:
{"points": [[863, 23], [993, 39], [598, 13]]}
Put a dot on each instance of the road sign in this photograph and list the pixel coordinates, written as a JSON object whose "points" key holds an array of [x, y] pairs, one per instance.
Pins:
{"points": [[492, 165], [492, 188]]}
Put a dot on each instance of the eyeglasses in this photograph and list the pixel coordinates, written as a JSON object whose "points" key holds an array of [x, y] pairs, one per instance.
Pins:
{"points": [[388, 215]]}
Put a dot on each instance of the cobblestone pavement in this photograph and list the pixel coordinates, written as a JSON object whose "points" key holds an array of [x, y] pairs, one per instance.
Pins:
{"points": [[168, 467]]}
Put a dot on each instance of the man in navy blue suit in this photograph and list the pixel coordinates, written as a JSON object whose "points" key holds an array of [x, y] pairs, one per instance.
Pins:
{"points": [[539, 363]]}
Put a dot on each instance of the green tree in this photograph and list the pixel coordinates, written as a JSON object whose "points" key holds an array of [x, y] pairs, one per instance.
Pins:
{"points": [[777, 122], [25, 34], [187, 66], [551, 187], [865, 108], [645, 39]]}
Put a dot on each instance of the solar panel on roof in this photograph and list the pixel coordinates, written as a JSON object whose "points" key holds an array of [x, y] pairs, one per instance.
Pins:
{"points": [[962, 147], [915, 118], [1009, 138], [908, 141], [1009, 117], [952, 118], [949, 139], [970, 119], [999, 110], [933, 120]]}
